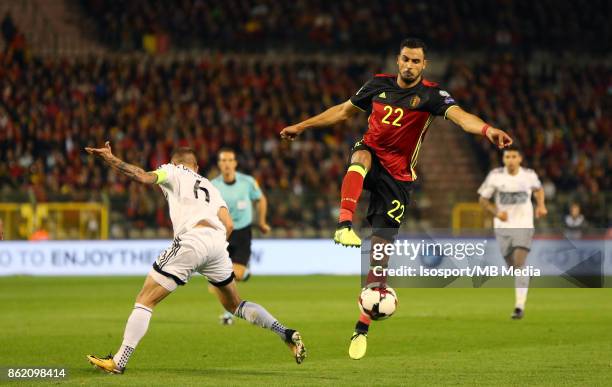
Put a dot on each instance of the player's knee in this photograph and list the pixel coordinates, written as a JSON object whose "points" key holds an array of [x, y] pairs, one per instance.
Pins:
{"points": [[146, 302], [239, 272], [382, 231], [147, 298], [519, 256], [231, 304], [362, 157], [228, 296], [155, 289]]}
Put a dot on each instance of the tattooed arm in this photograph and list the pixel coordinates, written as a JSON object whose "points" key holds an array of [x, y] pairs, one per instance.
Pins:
{"points": [[131, 171]]}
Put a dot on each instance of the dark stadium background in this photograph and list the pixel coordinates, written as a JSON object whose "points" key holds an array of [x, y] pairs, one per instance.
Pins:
{"points": [[151, 75]]}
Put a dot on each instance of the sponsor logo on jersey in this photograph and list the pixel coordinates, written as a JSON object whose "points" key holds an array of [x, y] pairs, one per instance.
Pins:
{"points": [[382, 95], [513, 197]]}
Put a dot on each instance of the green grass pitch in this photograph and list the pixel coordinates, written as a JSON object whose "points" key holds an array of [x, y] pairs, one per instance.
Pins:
{"points": [[437, 337]]}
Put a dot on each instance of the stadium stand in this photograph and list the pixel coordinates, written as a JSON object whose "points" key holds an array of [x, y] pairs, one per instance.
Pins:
{"points": [[51, 107], [559, 115], [372, 26]]}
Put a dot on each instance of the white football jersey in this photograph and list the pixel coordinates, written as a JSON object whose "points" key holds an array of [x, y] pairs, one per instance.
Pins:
{"points": [[512, 194], [191, 198]]}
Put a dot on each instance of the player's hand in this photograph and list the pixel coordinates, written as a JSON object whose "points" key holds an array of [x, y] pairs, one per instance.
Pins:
{"points": [[502, 215], [541, 211], [105, 152], [499, 138], [291, 132], [264, 227]]}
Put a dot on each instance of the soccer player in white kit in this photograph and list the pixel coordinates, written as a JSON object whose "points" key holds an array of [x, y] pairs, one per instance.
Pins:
{"points": [[512, 186], [202, 224]]}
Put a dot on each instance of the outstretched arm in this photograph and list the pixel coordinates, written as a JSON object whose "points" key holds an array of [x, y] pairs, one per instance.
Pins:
{"points": [[131, 171], [329, 117], [473, 124]]}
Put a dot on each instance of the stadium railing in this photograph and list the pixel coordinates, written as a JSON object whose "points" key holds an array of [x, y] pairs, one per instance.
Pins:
{"points": [[71, 220]]}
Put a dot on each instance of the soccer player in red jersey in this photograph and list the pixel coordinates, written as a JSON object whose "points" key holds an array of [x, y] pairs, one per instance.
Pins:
{"points": [[401, 107]]}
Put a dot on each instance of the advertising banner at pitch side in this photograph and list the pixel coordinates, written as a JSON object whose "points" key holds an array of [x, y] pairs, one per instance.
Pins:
{"points": [[450, 258]]}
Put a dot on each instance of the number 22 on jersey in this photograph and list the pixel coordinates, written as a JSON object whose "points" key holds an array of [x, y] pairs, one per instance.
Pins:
{"points": [[397, 114], [398, 207]]}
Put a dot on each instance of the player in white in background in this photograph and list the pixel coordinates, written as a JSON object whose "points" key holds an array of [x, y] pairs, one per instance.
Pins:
{"points": [[201, 225], [512, 186]]}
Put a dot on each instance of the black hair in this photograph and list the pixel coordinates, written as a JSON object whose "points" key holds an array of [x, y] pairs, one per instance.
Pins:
{"points": [[226, 149], [414, 43], [181, 152], [513, 148]]}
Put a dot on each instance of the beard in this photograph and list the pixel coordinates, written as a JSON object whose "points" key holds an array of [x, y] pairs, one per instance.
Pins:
{"points": [[409, 78]]}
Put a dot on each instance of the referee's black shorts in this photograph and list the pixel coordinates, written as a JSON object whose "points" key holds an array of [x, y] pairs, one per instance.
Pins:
{"points": [[389, 197], [239, 247]]}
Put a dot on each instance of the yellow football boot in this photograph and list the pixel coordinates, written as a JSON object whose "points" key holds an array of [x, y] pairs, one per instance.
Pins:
{"points": [[359, 345], [296, 345], [106, 364], [347, 237]]}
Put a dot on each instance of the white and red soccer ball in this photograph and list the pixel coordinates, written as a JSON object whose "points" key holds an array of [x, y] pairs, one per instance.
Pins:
{"points": [[378, 303]]}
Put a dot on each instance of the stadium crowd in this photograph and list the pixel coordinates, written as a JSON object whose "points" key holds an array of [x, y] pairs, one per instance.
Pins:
{"points": [[559, 116], [50, 108], [350, 24]]}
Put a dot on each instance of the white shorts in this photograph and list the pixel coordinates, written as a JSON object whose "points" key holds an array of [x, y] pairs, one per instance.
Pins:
{"points": [[513, 238], [202, 250]]}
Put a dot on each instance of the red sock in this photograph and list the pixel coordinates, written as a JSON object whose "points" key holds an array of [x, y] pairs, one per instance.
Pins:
{"points": [[352, 185], [380, 279], [365, 319]]}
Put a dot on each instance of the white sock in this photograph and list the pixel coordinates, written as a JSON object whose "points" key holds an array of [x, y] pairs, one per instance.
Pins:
{"points": [[227, 315], [135, 329], [258, 315], [521, 287]]}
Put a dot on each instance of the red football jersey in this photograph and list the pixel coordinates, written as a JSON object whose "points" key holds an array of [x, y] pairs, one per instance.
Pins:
{"points": [[399, 119]]}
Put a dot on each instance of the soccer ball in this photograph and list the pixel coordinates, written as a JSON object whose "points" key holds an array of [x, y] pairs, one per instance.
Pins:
{"points": [[378, 303]]}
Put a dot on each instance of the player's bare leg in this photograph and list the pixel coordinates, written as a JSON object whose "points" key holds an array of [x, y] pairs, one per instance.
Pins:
{"points": [[137, 325], [521, 283], [359, 343], [352, 186], [241, 274], [258, 315]]}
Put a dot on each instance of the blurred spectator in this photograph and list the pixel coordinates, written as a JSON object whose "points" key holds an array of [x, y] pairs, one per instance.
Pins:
{"points": [[556, 113], [8, 29], [361, 25], [41, 233], [50, 108], [15, 43], [574, 222]]}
